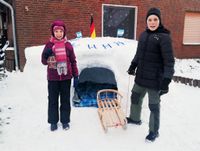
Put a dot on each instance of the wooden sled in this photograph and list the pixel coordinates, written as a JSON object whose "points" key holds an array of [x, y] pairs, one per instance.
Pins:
{"points": [[109, 109]]}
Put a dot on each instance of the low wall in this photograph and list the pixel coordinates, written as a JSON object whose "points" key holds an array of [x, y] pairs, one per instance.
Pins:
{"points": [[187, 81]]}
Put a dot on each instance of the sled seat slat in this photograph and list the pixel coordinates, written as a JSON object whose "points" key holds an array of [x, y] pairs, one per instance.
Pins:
{"points": [[109, 109]]}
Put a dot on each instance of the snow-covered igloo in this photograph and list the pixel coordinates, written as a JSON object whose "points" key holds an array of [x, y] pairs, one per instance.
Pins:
{"points": [[102, 64]]}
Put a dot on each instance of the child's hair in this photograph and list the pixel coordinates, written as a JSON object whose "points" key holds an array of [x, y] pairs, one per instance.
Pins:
{"points": [[58, 24]]}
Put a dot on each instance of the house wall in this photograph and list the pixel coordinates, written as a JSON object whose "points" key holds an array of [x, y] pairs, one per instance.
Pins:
{"points": [[33, 20]]}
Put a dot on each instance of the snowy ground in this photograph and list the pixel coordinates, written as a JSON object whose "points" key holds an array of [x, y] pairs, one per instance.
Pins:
{"points": [[23, 108]]}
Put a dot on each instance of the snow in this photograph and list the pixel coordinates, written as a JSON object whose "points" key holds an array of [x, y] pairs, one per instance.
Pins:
{"points": [[23, 106], [188, 68]]}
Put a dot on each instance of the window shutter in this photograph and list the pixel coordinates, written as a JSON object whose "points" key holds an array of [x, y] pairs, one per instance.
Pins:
{"points": [[191, 33]]}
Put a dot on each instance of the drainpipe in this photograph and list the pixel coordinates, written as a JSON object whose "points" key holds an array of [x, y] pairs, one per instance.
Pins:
{"points": [[14, 32]]}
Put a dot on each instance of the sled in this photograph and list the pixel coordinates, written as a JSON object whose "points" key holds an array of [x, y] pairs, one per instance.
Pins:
{"points": [[109, 109]]}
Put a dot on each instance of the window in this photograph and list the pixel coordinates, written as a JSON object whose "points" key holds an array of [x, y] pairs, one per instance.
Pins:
{"points": [[191, 35], [119, 21]]}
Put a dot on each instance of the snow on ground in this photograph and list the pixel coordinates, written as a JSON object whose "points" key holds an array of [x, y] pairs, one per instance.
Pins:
{"points": [[23, 107], [188, 68]]}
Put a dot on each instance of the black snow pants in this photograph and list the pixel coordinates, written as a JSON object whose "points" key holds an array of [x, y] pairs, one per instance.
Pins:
{"points": [[56, 90]]}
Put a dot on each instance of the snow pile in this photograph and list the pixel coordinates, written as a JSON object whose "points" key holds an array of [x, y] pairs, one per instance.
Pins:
{"points": [[111, 53], [188, 68]]}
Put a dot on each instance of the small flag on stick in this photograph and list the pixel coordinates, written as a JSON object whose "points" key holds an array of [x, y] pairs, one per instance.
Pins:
{"points": [[92, 28]]}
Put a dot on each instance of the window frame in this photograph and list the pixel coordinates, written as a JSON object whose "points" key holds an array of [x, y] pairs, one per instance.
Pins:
{"points": [[114, 5]]}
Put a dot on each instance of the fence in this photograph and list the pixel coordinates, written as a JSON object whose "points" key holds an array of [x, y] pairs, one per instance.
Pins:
{"points": [[187, 81], [2, 59]]}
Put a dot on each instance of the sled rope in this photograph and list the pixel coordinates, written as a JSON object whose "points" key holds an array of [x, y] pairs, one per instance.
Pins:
{"points": [[127, 95]]}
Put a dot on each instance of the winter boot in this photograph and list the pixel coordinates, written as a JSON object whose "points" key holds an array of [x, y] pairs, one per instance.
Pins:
{"points": [[65, 126], [152, 136], [53, 127], [130, 121]]}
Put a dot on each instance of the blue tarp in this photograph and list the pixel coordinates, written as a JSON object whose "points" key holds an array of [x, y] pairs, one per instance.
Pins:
{"points": [[91, 80]]}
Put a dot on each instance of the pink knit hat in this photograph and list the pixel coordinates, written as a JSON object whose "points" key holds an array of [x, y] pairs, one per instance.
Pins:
{"points": [[58, 27], [58, 24]]}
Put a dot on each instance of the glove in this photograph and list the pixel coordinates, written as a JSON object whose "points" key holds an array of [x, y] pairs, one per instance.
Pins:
{"points": [[76, 81], [48, 53], [161, 92], [131, 69], [164, 86], [51, 62], [62, 68]]}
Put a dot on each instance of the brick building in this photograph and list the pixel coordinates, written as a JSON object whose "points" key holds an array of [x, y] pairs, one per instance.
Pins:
{"points": [[33, 19]]}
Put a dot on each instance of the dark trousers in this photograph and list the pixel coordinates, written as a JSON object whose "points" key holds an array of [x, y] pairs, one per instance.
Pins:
{"points": [[58, 89], [138, 94]]}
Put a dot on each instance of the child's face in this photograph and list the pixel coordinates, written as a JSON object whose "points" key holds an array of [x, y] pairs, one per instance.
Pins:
{"points": [[58, 33], [153, 22]]}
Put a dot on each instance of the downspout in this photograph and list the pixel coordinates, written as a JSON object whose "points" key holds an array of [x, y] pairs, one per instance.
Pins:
{"points": [[14, 32]]}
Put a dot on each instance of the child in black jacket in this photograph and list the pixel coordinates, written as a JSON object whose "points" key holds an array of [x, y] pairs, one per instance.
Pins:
{"points": [[153, 65]]}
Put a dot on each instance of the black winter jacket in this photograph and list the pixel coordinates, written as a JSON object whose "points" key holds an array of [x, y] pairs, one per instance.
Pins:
{"points": [[154, 59]]}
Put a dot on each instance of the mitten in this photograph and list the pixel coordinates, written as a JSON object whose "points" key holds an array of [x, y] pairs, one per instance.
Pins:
{"points": [[62, 68], [76, 81], [48, 53], [131, 69], [51, 62], [165, 86]]}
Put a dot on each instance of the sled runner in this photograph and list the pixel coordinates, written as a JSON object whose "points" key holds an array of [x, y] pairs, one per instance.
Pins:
{"points": [[109, 109]]}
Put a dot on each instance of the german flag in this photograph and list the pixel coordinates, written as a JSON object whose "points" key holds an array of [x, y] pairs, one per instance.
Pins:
{"points": [[92, 28]]}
